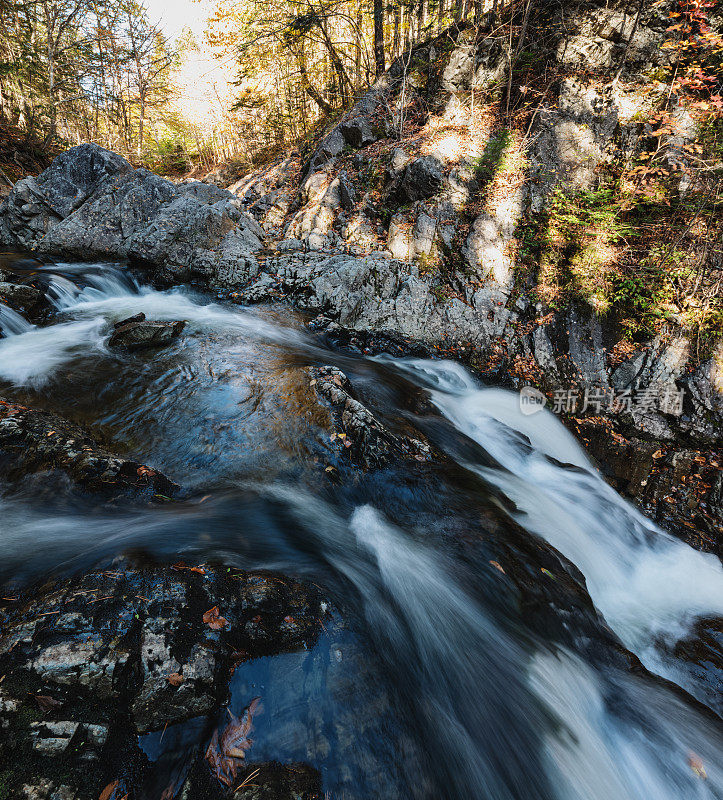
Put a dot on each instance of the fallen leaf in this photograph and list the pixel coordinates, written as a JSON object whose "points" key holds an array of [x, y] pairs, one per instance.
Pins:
{"points": [[230, 746], [658, 454], [109, 791], [696, 764], [498, 566], [214, 620], [175, 678], [46, 703]]}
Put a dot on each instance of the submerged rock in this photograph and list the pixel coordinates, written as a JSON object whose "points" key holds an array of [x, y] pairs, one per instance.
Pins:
{"points": [[91, 663], [274, 781], [37, 441], [138, 333]]}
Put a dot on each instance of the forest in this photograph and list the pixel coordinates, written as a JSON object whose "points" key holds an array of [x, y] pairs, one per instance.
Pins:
{"points": [[104, 71]]}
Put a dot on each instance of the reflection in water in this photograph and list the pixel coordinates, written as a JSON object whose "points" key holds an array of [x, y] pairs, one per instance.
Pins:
{"points": [[431, 681]]}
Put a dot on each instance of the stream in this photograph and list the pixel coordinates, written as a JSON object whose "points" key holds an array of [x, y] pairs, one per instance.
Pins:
{"points": [[449, 673]]}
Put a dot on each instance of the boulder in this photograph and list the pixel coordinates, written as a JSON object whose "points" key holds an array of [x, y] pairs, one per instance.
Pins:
{"points": [[421, 179], [37, 441], [138, 333], [35, 205], [90, 203], [357, 132]]}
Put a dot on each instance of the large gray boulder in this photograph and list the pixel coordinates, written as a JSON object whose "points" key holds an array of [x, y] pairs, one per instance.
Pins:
{"points": [[35, 205], [91, 203]]}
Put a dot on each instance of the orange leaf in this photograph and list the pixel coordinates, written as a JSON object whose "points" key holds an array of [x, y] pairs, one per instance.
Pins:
{"points": [[696, 764], [109, 791], [214, 620], [175, 678]]}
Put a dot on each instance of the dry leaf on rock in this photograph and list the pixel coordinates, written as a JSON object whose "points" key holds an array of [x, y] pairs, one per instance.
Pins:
{"points": [[214, 620]]}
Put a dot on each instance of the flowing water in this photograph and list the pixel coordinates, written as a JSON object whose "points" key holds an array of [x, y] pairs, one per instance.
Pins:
{"points": [[459, 666]]}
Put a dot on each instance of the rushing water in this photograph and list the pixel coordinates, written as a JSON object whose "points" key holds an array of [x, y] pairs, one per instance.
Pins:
{"points": [[439, 678]]}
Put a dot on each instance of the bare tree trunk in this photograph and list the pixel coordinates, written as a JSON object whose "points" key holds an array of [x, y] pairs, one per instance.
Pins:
{"points": [[397, 27], [358, 49], [513, 58], [421, 16], [379, 59]]}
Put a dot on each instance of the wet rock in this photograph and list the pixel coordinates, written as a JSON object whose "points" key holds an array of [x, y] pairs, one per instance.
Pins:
{"points": [[37, 441], [275, 781], [678, 487], [93, 662], [138, 333], [369, 442], [20, 296]]}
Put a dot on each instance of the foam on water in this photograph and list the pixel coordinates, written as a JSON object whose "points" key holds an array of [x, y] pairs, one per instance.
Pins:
{"points": [[647, 583], [32, 355]]}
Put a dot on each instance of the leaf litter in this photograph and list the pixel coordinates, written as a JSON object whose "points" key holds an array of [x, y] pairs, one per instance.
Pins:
{"points": [[228, 748]]}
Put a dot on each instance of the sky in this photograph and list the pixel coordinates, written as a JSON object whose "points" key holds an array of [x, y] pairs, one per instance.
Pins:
{"points": [[174, 15], [204, 82]]}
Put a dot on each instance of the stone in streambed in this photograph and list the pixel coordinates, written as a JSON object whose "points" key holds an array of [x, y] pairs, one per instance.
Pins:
{"points": [[87, 665], [36, 441], [369, 442], [19, 296], [138, 333]]}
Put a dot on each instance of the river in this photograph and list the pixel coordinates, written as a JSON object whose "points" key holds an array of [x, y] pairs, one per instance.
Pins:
{"points": [[464, 664]]}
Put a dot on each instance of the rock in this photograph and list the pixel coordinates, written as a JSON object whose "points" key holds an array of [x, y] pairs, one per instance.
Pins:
{"points": [[35, 205], [357, 131], [275, 781], [20, 296], [137, 333], [96, 652], [422, 178], [260, 291], [369, 443], [174, 231], [347, 193], [34, 441], [677, 487]]}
